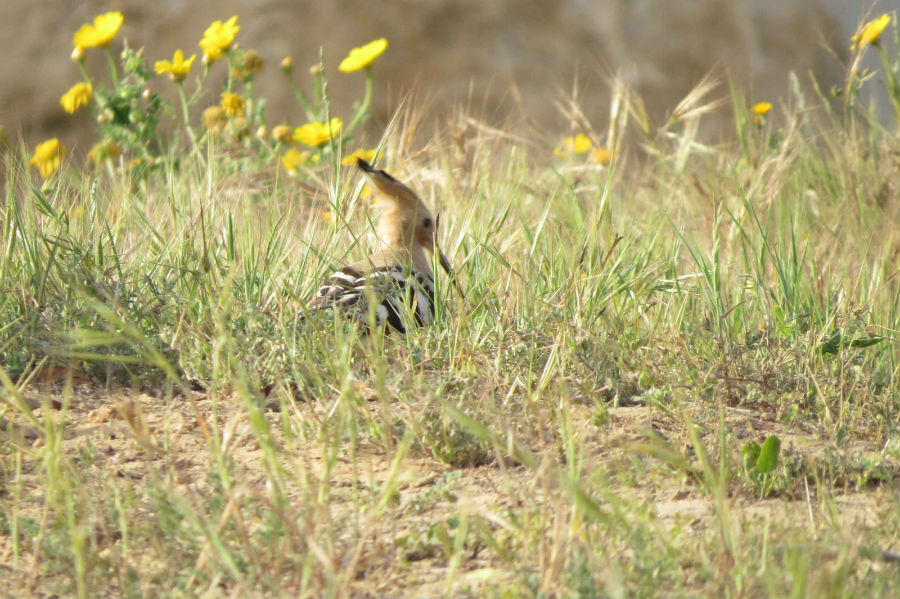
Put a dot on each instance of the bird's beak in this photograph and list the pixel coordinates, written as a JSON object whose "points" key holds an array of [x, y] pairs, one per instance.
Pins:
{"points": [[445, 264]]}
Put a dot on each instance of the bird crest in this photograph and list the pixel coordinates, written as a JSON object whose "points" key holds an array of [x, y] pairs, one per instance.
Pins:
{"points": [[399, 275]]}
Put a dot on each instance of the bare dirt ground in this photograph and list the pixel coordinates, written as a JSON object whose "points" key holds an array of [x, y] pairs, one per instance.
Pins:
{"points": [[391, 543]]}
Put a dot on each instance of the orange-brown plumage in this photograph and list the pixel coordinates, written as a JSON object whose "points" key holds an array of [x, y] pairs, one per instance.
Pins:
{"points": [[399, 273]]}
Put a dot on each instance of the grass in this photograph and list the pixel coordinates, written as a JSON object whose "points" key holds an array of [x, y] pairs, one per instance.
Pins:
{"points": [[573, 425]]}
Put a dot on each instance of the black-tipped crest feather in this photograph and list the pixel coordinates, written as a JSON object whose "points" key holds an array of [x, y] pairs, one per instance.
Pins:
{"points": [[368, 168]]}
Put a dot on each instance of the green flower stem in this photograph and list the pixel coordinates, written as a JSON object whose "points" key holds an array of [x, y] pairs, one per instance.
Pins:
{"points": [[84, 72], [199, 92], [111, 64], [186, 116], [319, 94], [250, 111], [334, 140], [363, 109], [231, 68], [301, 99]]}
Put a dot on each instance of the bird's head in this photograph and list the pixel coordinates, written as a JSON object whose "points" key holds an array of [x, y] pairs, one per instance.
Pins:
{"points": [[405, 221]]}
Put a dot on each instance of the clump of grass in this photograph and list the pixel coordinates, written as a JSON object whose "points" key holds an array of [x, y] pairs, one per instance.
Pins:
{"points": [[641, 310]]}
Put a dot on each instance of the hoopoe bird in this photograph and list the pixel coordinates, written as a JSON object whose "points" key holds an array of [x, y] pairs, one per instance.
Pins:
{"points": [[398, 276]]}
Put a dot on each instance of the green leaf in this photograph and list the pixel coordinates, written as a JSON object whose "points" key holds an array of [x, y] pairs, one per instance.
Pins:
{"points": [[866, 341], [768, 455], [832, 343], [837, 340], [750, 453]]}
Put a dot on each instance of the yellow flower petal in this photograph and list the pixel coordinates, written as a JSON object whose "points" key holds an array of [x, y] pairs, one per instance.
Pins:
{"points": [[602, 155], [233, 104], [360, 58], [292, 159], [100, 33], [579, 144], [871, 32], [317, 134], [218, 38], [367, 155], [79, 95], [177, 68], [47, 156], [761, 108]]}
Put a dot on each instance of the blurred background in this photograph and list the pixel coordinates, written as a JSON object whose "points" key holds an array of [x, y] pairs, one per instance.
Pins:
{"points": [[494, 58]]}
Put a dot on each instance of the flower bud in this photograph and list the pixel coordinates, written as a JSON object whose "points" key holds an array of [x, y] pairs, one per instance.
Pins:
{"points": [[253, 62], [214, 118], [283, 133]]}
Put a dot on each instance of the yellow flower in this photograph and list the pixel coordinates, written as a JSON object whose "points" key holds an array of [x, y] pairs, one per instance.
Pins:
{"points": [[316, 134], [761, 108], [602, 155], [367, 155], [233, 104], [214, 118], [282, 133], [360, 58], [103, 151], [47, 156], [574, 145], [292, 159], [871, 32], [177, 68], [79, 95], [100, 33], [287, 64], [217, 38]]}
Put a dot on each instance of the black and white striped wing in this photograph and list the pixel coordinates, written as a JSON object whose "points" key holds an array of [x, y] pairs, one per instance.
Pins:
{"points": [[404, 297]]}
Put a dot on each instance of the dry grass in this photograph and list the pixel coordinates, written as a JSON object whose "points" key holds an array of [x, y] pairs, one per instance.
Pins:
{"points": [[576, 424]]}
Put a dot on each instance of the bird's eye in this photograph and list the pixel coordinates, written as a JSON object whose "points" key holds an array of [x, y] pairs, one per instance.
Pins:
{"points": [[426, 223]]}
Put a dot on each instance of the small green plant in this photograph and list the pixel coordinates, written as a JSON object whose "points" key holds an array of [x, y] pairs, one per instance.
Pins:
{"points": [[760, 462]]}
